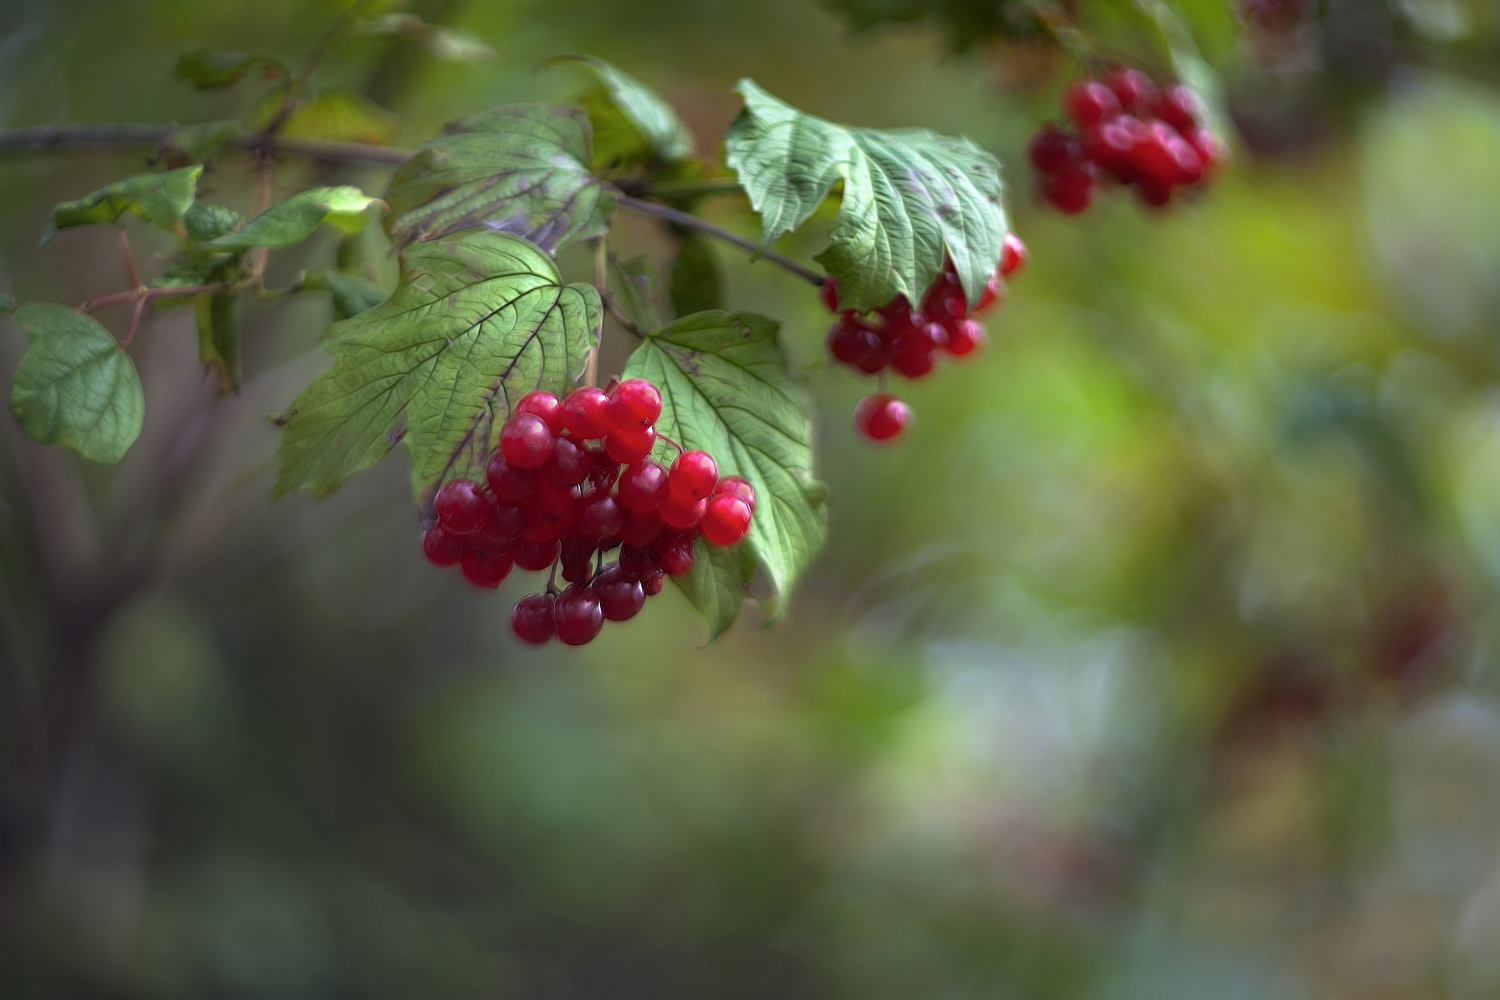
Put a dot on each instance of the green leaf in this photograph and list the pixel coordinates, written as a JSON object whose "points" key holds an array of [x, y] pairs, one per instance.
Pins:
{"points": [[633, 284], [297, 218], [695, 277], [629, 116], [475, 323], [726, 389], [521, 169], [219, 337], [158, 198], [206, 69], [75, 386], [718, 582], [352, 294], [206, 221], [338, 116], [909, 196]]}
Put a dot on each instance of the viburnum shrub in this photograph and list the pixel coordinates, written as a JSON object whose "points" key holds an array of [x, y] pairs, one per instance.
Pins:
{"points": [[695, 462]]}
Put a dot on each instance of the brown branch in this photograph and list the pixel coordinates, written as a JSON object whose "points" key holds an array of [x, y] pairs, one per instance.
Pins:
{"points": [[42, 138], [691, 221], [148, 294]]}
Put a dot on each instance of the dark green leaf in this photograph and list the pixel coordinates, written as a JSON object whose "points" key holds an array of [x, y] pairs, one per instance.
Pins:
{"points": [[206, 221], [633, 284], [521, 169], [718, 582], [909, 196], [75, 386], [219, 337], [628, 116], [475, 323], [158, 198], [352, 294], [695, 277], [205, 69], [297, 218], [726, 389]]}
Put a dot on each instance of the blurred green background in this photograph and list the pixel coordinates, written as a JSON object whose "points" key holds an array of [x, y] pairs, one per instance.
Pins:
{"points": [[1160, 662]]}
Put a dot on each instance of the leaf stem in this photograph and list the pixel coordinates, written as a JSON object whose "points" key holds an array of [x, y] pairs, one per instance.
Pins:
{"points": [[688, 189], [601, 283], [132, 276], [691, 221], [135, 321], [148, 294]]}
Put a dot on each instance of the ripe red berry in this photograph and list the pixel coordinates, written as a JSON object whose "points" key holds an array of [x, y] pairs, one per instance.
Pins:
{"points": [[536, 554], [993, 291], [643, 486], [604, 470], [1209, 147], [1152, 158], [1189, 165], [737, 486], [641, 529], [877, 352], [578, 615], [694, 475], [846, 340], [828, 294], [881, 417], [546, 406], [1153, 193], [460, 508], [726, 520], [964, 337], [532, 619], [1013, 255], [599, 517], [915, 366], [569, 465], [1137, 94], [634, 404], [1179, 108], [1052, 149], [441, 548], [652, 580], [673, 553], [635, 560], [526, 441], [621, 597], [485, 569], [503, 526], [1110, 146], [625, 447], [509, 485], [683, 511], [586, 412], [1069, 191], [1089, 102]]}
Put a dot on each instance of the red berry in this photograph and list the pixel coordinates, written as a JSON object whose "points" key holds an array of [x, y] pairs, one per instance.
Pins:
{"points": [[1110, 145], [922, 340], [569, 465], [846, 340], [441, 548], [651, 581], [993, 290], [626, 447], [604, 470], [881, 417], [635, 560], [586, 412], [577, 561], [1179, 108], [1136, 93], [1089, 102], [877, 352], [683, 511], [641, 529], [634, 404], [726, 520], [503, 526], [536, 554], [485, 569], [599, 517], [509, 485], [1069, 191], [1013, 255], [1153, 193], [532, 618], [546, 406], [1189, 165], [739, 487], [526, 441], [460, 508], [915, 365], [643, 486], [694, 474], [964, 337], [578, 615], [621, 597], [828, 294], [673, 553], [1209, 147], [1152, 158], [1052, 149]]}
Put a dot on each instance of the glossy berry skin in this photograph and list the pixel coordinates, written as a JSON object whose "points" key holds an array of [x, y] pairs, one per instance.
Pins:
{"points": [[536, 555], [1179, 108], [503, 526], [533, 620], [510, 486], [441, 548], [569, 465], [641, 529], [460, 508], [673, 553], [544, 405], [881, 417], [577, 563], [1089, 102], [965, 337], [604, 470], [915, 366], [726, 520], [586, 412], [526, 441], [828, 294], [635, 403], [682, 511], [1013, 255], [1136, 93], [737, 486], [643, 486], [846, 340], [578, 615], [651, 581], [627, 447], [599, 517], [621, 597], [694, 475], [484, 569]]}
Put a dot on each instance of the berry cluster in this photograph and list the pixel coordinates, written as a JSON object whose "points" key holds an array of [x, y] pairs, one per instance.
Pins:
{"points": [[1130, 131], [572, 480], [910, 339]]}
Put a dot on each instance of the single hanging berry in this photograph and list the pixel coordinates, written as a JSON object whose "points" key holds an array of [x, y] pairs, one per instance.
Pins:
{"points": [[532, 619], [881, 417]]}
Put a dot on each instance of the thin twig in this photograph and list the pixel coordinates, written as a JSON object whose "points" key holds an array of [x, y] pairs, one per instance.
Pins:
{"points": [[264, 174], [691, 221], [689, 189], [297, 84], [148, 294], [601, 283], [50, 137], [132, 276], [135, 320]]}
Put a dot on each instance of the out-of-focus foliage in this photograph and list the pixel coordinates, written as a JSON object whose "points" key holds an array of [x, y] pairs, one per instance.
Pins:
{"points": [[1158, 663]]}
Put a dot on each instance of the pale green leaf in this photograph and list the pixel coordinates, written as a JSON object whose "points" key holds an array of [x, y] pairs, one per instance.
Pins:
{"points": [[158, 198], [206, 69], [297, 218], [521, 169], [352, 293], [474, 324], [641, 117], [909, 197], [75, 386], [727, 390], [219, 337], [338, 116]]}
